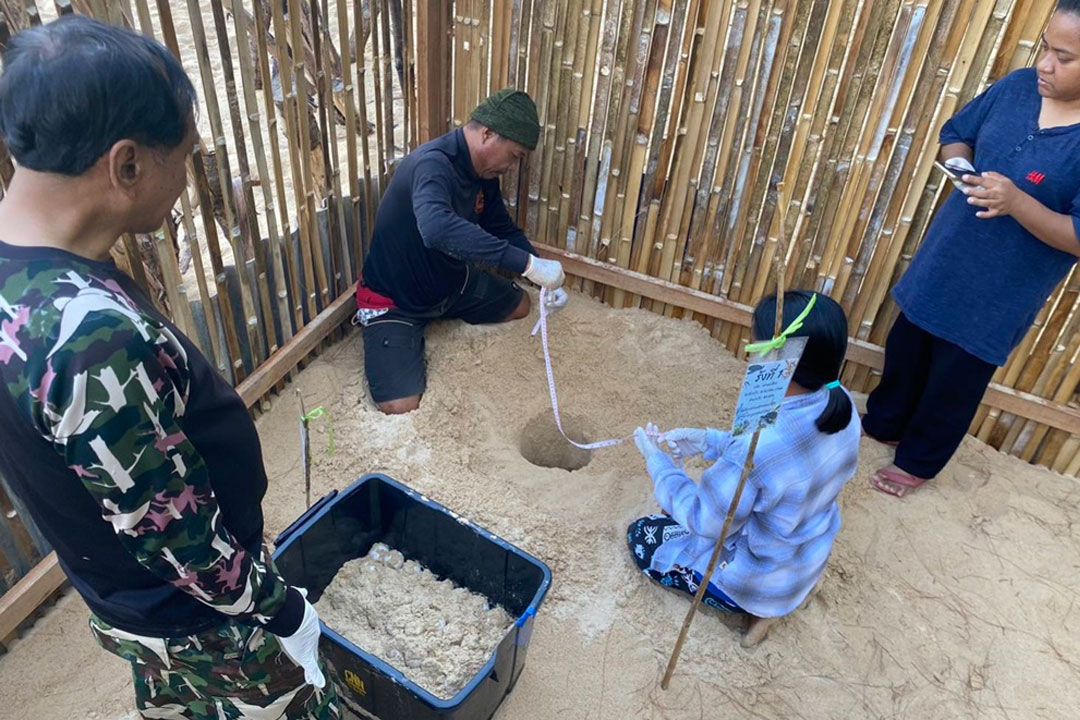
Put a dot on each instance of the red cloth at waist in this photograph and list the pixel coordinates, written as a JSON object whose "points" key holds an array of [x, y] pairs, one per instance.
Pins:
{"points": [[368, 299]]}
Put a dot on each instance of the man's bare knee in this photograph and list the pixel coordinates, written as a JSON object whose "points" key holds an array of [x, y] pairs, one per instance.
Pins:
{"points": [[522, 310], [400, 406]]}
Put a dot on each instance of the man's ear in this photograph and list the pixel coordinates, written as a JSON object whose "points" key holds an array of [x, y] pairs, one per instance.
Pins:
{"points": [[124, 165], [490, 135]]}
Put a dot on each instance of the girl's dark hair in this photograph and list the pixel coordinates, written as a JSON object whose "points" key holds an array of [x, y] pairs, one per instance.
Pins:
{"points": [[1069, 6], [827, 329], [74, 87]]}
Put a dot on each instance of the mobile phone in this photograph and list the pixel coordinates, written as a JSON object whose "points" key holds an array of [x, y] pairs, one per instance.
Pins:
{"points": [[952, 174]]}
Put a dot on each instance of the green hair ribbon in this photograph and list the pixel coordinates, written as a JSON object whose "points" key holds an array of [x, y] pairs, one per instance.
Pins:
{"points": [[766, 346]]}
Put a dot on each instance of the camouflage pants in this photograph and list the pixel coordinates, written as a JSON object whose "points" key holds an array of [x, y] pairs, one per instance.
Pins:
{"points": [[227, 673]]}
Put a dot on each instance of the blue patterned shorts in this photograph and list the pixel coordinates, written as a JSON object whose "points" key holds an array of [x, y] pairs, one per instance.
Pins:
{"points": [[646, 535]]}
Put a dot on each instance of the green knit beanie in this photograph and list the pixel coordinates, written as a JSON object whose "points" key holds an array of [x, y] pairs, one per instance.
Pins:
{"points": [[512, 114]]}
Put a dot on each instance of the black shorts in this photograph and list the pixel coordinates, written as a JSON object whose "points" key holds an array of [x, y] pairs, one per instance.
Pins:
{"points": [[394, 342]]}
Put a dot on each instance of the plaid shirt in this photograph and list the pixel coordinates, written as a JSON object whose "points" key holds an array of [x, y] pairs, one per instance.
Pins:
{"points": [[788, 516]]}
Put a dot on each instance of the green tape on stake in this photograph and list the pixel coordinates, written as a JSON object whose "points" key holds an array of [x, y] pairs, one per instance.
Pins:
{"points": [[314, 414]]}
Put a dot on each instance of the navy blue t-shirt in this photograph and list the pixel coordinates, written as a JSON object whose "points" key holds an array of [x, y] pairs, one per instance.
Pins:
{"points": [[980, 283], [437, 216]]}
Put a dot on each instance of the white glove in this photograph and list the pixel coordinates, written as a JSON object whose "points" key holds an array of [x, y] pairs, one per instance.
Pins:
{"points": [[545, 273], [686, 443], [962, 166], [555, 300], [302, 646]]}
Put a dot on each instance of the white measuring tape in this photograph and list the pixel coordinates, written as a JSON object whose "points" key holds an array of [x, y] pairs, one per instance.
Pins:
{"points": [[541, 327]]}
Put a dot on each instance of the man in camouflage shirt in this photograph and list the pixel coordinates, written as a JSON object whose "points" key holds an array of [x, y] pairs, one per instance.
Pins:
{"points": [[139, 463]]}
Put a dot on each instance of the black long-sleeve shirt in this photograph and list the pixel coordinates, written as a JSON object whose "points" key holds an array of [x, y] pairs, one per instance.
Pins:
{"points": [[436, 217], [139, 463]]}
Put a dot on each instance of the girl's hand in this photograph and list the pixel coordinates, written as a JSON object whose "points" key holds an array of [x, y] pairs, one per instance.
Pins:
{"points": [[993, 191]]}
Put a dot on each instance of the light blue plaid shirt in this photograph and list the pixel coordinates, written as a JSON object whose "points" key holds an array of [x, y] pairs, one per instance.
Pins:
{"points": [[788, 516]]}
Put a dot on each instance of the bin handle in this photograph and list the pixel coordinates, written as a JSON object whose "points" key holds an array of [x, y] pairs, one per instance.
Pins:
{"points": [[284, 535]]}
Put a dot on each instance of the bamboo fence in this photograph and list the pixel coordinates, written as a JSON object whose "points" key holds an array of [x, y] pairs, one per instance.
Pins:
{"points": [[283, 185], [668, 125]]}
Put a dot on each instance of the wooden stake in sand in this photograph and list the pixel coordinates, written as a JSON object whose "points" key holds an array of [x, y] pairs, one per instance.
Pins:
{"points": [[780, 264], [305, 447]]}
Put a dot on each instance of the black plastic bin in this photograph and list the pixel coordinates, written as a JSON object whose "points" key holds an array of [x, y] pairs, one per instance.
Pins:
{"points": [[343, 526]]}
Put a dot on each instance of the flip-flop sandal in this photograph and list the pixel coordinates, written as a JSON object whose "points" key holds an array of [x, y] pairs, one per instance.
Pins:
{"points": [[897, 484]]}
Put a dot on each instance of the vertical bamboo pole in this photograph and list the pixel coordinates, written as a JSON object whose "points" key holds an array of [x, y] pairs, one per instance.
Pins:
{"points": [[382, 152], [605, 189], [312, 248], [206, 207], [703, 87], [387, 89], [291, 315], [653, 124], [562, 169], [341, 267], [579, 189], [295, 141], [248, 242], [368, 215], [165, 240], [482, 33], [745, 18], [433, 49], [247, 78], [512, 183], [224, 176], [356, 199], [409, 89], [220, 357], [594, 188], [631, 144], [544, 35]]}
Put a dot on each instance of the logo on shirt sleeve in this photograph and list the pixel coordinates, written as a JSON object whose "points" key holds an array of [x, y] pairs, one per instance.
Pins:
{"points": [[1035, 177]]}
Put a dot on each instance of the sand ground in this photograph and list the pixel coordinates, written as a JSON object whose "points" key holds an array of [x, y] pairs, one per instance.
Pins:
{"points": [[958, 602]]}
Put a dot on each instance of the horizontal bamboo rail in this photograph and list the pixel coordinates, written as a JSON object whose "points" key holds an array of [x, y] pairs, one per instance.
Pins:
{"points": [[1022, 404]]}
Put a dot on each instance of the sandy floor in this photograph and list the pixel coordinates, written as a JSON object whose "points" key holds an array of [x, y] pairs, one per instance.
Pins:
{"points": [[954, 603]]}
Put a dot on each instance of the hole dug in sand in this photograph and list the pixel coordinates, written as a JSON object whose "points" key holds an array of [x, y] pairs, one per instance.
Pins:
{"points": [[542, 444]]}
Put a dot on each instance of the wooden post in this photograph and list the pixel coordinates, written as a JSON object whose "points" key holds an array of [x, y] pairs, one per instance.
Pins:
{"points": [[305, 448], [433, 68]]}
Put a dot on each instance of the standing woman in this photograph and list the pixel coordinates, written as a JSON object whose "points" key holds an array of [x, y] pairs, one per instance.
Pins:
{"points": [[990, 260]]}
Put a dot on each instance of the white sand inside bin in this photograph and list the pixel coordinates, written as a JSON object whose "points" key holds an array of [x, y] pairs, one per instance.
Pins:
{"points": [[437, 634]]}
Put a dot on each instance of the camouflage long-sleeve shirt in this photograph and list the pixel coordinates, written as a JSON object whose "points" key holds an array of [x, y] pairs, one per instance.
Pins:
{"points": [[139, 463]]}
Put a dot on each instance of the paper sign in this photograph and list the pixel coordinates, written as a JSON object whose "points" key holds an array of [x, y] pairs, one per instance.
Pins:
{"points": [[765, 385]]}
